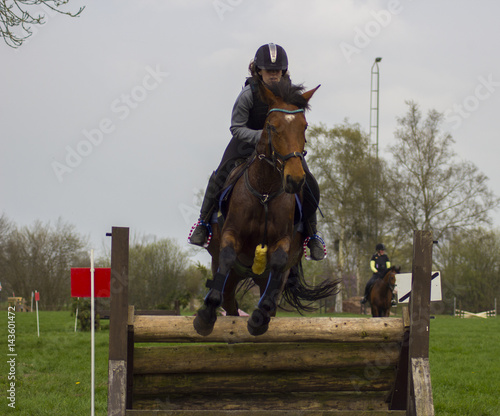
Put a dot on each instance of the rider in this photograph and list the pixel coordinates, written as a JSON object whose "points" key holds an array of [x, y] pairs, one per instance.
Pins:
{"points": [[269, 66], [379, 264]]}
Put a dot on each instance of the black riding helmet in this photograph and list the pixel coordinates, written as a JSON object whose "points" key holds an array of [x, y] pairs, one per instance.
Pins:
{"points": [[379, 247], [271, 57]]}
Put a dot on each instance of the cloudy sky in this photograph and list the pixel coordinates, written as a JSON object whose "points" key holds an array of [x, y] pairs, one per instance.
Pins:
{"points": [[117, 118]]}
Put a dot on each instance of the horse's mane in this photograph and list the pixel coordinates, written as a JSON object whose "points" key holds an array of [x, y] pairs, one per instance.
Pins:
{"points": [[289, 93]]}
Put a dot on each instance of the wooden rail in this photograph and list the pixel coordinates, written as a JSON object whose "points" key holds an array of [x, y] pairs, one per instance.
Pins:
{"points": [[300, 367]]}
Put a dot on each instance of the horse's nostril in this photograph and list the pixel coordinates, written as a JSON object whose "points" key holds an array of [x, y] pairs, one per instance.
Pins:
{"points": [[293, 185]]}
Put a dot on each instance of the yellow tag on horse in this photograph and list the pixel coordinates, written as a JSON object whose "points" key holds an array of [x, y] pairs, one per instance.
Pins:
{"points": [[260, 259]]}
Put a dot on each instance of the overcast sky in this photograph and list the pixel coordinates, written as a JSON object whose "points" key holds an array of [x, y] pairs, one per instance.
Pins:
{"points": [[117, 118]]}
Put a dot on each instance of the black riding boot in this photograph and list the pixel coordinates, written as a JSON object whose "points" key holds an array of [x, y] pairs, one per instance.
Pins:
{"points": [[315, 244], [200, 233]]}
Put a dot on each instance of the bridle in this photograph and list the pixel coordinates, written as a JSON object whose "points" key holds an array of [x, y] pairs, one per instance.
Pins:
{"points": [[390, 285], [277, 157]]}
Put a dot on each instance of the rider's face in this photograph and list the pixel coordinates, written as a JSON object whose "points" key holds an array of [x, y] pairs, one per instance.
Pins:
{"points": [[270, 75]]}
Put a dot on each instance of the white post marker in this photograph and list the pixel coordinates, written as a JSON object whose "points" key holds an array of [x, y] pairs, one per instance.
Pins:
{"points": [[37, 296], [92, 332], [76, 315]]}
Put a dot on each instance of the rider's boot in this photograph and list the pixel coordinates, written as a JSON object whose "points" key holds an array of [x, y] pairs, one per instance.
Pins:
{"points": [[315, 243], [364, 299], [200, 233]]}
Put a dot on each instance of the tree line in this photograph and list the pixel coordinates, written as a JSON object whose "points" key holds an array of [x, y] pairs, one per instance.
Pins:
{"points": [[40, 257], [365, 200]]}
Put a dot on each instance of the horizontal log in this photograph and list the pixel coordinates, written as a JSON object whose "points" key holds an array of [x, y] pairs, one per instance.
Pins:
{"points": [[265, 413], [347, 379], [270, 401], [196, 358], [234, 330]]}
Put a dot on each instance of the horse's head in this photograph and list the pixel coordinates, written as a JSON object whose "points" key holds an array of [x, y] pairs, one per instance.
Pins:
{"points": [[391, 276], [283, 138]]}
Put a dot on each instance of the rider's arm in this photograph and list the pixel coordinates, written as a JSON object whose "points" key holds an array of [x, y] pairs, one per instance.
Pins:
{"points": [[239, 118], [387, 264], [372, 266]]}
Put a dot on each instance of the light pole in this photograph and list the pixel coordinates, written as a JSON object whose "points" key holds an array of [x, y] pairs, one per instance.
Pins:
{"points": [[374, 118]]}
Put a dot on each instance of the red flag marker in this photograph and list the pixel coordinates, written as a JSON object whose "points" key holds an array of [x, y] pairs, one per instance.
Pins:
{"points": [[80, 282]]}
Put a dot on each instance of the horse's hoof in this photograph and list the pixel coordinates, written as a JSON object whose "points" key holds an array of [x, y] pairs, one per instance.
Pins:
{"points": [[258, 323], [205, 321]]}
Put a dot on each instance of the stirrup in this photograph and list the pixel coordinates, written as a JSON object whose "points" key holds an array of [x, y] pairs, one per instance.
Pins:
{"points": [[209, 229], [306, 242]]}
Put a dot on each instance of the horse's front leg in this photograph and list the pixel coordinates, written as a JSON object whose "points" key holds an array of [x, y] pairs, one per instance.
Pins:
{"points": [[260, 318], [207, 314], [229, 302]]}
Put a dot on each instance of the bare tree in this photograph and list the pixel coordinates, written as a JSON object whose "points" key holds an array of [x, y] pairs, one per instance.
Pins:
{"points": [[158, 272], [427, 186], [345, 167], [40, 258], [18, 16], [470, 269]]}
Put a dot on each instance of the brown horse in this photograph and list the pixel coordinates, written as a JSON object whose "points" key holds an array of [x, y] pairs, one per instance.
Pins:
{"points": [[381, 293], [261, 214]]}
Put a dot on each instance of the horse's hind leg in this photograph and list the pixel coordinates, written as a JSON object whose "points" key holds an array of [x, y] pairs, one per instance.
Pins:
{"points": [[260, 318], [207, 314]]}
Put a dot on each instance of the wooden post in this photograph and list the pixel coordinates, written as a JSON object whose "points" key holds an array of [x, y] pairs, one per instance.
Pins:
{"points": [[118, 323], [419, 383]]}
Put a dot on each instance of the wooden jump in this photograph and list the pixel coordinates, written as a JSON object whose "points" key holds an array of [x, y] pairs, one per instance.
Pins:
{"points": [[160, 366]]}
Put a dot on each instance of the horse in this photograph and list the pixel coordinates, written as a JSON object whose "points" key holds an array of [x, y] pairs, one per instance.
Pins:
{"points": [[258, 239], [381, 293]]}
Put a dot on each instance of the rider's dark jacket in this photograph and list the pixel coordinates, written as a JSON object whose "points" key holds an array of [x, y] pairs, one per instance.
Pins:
{"points": [[249, 114], [379, 263], [247, 121]]}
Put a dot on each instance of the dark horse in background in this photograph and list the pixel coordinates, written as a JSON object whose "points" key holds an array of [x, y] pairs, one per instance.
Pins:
{"points": [[381, 293], [261, 214]]}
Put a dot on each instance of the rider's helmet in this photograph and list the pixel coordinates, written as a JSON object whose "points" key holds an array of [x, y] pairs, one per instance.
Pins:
{"points": [[379, 247], [271, 56]]}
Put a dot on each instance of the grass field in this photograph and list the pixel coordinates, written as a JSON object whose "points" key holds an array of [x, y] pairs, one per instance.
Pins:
{"points": [[53, 372]]}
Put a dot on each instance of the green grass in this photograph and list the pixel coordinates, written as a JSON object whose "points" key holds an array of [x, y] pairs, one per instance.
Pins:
{"points": [[53, 371], [465, 366]]}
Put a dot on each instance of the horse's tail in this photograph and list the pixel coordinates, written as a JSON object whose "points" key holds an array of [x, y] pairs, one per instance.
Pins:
{"points": [[299, 294]]}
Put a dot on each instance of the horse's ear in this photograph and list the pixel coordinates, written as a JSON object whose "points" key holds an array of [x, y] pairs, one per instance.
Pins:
{"points": [[308, 94], [266, 95]]}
